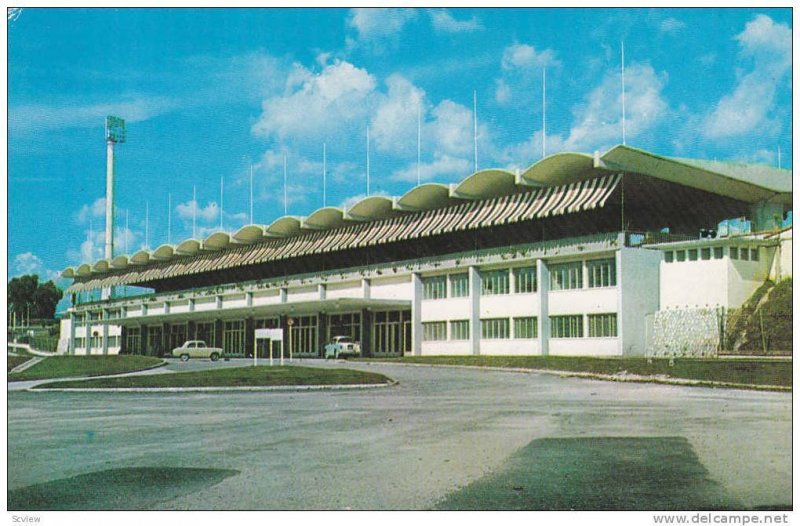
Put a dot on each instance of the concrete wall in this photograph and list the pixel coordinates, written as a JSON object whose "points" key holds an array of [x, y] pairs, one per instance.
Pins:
{"points": [[391, 288], [744, 277], [691, 284], [638, 279]]}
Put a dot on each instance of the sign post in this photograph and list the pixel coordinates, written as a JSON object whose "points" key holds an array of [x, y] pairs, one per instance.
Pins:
{"points": [[290, 322], [272, 335]]}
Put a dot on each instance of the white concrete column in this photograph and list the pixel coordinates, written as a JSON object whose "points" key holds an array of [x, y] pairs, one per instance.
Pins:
{"points": [[366, 288], [284, 294], [72, 318], [543, 282], [323, 291], [248, 299], [416, 314], [474, 310], [105, 331]]}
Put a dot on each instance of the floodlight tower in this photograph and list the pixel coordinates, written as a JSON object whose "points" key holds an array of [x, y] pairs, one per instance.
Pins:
{"points": [[115, 133]]}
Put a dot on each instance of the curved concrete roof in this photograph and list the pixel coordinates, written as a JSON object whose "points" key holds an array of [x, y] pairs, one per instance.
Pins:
{"points": [[83, 270], [100, 266], [744, 182], [371, 208], [120, 262], [324, 218], [559, 168], [68, 272], [188, 247], [249, 234], [217, 241], [284, 226], [425, 197], [486, 184], [140, 258], [164, 252]]}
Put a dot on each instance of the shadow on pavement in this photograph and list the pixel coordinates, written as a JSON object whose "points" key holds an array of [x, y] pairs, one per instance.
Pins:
{"points": [[115, 489], [603, 473]]}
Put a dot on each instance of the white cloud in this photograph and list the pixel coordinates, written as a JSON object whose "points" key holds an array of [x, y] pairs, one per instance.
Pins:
{"points": [[671, 25], [208, 213], [521, 155], [315, 106], [29, 263], [444, 22], [42, 117], [373, 25], [749, 107], [96, 209], [451, 128], [523, 56], [598, 121], [444, 167], [394, 124], [521, 72]]}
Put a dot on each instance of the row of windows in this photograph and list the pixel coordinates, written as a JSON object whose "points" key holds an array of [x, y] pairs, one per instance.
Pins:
{"points": [[491, 329], [563, 276], [693, 254], [567, 326], [571, 326], [97, 342]]}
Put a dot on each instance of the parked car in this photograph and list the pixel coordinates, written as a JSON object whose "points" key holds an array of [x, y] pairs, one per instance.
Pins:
{"points": [[342, 346], [197, 349]]}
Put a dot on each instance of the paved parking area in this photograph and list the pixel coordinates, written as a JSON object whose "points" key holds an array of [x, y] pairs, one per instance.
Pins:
{"points": [[404, 447]]}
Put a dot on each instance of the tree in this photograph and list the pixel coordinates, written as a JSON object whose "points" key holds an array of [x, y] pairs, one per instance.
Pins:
{"points": [[27, 297]]}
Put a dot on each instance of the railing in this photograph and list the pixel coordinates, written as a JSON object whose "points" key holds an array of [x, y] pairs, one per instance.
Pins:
{"points": [[636, 239]]}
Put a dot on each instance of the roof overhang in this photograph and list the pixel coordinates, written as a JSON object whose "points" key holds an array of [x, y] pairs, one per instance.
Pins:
{"points": [[371, 209], [217, 241], [324, 219], [560, 168], [140, 258], [426, 197], [164, 252], [249, 234], [188, 247], [284, 226]]}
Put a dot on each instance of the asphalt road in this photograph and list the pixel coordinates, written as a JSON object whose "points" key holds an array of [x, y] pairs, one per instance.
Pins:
{"points": [[403, 447]]}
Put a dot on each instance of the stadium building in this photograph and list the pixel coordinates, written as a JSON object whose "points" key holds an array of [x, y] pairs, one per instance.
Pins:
{"points": [[569, 257]]}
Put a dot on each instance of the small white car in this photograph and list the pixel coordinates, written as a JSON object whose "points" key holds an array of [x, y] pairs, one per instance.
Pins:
{"points": [[342, 346], [197, 349]]}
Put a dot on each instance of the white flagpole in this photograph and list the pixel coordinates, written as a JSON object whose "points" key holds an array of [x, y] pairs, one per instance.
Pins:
{"points": [[544, 113], [475, 125], [251, 193], [367, 161], [324, 175], [169, 219], [419, 138], [622, 51], [221, 187], [194, 212], [285, 192]]}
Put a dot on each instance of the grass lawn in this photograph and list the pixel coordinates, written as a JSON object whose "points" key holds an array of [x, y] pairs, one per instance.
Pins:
{"points": [[740, 371], [236, 377], [14, 361], [72, 366]]}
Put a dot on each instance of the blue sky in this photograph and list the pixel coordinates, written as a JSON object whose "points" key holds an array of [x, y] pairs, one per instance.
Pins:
{"points": [[209, 93]]}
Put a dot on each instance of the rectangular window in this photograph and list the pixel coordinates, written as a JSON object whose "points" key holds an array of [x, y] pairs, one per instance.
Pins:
{"points": [[566, 276], [80, 343], [718, 252], [602, 272], [459, 330], [602, 325], [744, 254], [754, 254], [705, 253], [692, 254], [434, 287], [114, 314], [525, 280], [434, 331], [570, 326], [525, 328], [669, 257], [495, 329], [459, 285], [494, 282], [680, 255], [734, 252]]}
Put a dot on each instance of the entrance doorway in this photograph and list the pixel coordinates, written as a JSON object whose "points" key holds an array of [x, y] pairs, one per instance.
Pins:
{"points": [[391, 333]]}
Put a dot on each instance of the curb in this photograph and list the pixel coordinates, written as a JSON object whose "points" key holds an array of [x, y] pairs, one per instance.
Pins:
{"points": [[91, 377], [266, 388], [632, 378]]}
